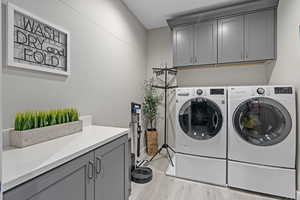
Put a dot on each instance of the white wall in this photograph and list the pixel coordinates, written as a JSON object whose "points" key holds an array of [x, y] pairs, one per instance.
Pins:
{"points": [[159, 46], [108, 63], [160, 52], [287, 67]]}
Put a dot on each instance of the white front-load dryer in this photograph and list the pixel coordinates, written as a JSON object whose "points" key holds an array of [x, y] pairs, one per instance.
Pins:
{"points": [[201, 134], [262, 139]]}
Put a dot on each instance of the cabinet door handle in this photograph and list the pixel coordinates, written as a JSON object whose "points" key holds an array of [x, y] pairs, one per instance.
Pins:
{"points": [[196, 59], [90, 170], [191, 60], [99, 168]]}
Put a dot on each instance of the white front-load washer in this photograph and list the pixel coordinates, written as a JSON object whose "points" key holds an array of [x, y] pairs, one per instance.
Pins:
{"points": [[262, 139], [201, 134]]}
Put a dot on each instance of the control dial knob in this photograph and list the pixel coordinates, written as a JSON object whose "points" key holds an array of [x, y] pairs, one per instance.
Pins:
{"points": [[199, 92], [260, 91]]}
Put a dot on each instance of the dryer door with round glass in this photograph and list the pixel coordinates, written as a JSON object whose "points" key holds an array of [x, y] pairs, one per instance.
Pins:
{"points": [[200, 119], [262, 121]]}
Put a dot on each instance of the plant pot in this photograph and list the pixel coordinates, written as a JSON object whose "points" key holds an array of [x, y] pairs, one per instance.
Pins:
{"points": [[34, 136], [151, 141]]}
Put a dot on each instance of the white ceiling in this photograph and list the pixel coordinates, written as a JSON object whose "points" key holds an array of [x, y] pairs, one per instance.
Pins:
{"points": [[153, 13]]}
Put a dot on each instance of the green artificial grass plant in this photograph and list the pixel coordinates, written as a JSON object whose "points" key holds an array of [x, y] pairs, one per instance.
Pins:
{"points": [[32, 119]]}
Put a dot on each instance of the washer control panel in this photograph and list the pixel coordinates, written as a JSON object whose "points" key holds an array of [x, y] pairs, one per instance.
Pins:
{"points": [[185, 94]]}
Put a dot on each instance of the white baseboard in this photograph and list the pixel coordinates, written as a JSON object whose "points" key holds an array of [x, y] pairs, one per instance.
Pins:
{"points": [[298, 195], [143, 155]]}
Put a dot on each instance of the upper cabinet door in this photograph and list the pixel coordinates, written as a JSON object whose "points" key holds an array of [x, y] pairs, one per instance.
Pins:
{"points": [[183, 45], [206, 45], [231, 39], [260, 35]]}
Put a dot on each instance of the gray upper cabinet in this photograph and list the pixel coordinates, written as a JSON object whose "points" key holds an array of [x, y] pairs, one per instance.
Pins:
{"points": [[183, 45], [231, 39], [206, 41], [99, 175], [111, 171], [260, 35], [72, 181], [242, 32]]}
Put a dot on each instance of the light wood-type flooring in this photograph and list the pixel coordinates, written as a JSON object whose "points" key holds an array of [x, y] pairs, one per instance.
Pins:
{"points": [[164, 187]]}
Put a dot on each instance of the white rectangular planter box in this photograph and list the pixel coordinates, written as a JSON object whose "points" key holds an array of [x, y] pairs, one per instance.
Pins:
{"points": [[34, 136]]}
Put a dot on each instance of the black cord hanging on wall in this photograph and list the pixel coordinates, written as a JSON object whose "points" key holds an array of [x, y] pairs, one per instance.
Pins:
{"points": [[166, 72]]}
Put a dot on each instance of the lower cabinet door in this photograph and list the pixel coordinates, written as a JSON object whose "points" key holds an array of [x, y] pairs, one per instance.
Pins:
{"points": [[111, 166], [72, 181]]}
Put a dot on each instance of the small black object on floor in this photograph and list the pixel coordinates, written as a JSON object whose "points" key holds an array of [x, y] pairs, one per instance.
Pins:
{"points": [[141, 175]]}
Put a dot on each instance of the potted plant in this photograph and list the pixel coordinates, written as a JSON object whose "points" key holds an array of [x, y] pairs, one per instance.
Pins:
{"points": [[150, 111], [34, 127]]}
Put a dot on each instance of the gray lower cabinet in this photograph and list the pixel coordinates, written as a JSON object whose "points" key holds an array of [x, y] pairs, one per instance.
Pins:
{"points": [[231, 39], [206, 43], [99, 175], [111, 182], [183, 48], [68, 182], [260, 35]]}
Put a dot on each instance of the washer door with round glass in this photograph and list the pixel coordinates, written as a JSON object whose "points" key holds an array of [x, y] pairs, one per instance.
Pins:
{"points": [[262, 121], [200, 119]]}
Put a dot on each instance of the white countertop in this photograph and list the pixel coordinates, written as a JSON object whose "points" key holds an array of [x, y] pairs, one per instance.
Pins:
{"points": [[21, 165]]}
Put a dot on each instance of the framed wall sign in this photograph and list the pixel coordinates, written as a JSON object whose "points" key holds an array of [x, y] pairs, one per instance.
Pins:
{"points": [[35, 44]]}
